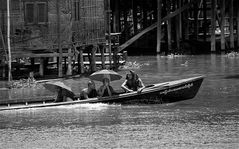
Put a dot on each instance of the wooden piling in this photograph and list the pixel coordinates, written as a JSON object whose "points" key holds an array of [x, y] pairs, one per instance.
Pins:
{"points": [[93, 59], [116, 17], [222, 25], [3, 70], [159, 27], [205, 20], [169, 28], [195, 15], [213, 26], [179, 26], [65, 65], [69, 68], [145, 20], [180, 19], [41, 68], [115, 58], [231, 24], [80, 62], [102, 57], [108, 30], [186, 24], [135, 21], [59, 38], [237, 3]]}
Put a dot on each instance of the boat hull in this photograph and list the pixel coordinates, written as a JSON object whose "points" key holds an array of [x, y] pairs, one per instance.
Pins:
{"points": [[166, 92], [161, 93]]}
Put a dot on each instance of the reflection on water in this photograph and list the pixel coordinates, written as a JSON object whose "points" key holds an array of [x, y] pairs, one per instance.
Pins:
{"points": [[210, 120]]}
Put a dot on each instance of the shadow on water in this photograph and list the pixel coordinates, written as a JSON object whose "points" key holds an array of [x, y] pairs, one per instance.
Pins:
{"points": [[232, 77]]}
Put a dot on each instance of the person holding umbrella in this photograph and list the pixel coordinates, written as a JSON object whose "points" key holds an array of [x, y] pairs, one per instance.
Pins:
{"points": [[133, 83], [64, 93], [105, 76], [106, 89]]}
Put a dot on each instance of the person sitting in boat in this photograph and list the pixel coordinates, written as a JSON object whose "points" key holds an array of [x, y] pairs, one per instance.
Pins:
{"points": [[90, 91], [63, 95], [133, 83], [106, 89]]}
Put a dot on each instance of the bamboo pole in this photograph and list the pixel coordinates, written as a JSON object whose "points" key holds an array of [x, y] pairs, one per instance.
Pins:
{"points": [[213, 26], [231, 24], [222, 25], [59, 39], [159, 27], [9, 43]]}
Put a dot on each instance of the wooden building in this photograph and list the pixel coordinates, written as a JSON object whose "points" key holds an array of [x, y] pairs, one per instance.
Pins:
{"points": [[46, 29], [177, 26]]}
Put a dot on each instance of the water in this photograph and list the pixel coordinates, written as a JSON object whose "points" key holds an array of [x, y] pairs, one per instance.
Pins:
{"points": [[210, 120]]}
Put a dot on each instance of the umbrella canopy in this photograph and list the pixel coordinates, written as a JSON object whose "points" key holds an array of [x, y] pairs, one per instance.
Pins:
{"points": [[110, 74], [53, 86]]}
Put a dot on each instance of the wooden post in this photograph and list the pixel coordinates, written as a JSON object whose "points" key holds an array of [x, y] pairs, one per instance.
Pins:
{"points": [[213, 24], [186, 27], [116, 16], [3, 61], [9, 43], [69, 68], [179, 26], [4, 71], [195, 15], [205, 20], [169, 28], [159, 27], [93, 59], [108, 18], [135, 20], [237, 24], [65, 65], [59, 38], [126, 33], [102, 57], [231, 24], [80, 62], [32, 63], [222, 25], [145, 19], [41, 68]]}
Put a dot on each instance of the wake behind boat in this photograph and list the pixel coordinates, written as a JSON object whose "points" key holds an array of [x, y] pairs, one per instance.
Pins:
{"points": [[160, 93]]}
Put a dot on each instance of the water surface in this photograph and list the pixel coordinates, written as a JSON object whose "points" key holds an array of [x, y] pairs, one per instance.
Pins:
{"points": [[210, 120]]}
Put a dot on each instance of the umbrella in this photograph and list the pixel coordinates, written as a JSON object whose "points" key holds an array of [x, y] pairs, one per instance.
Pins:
{"points": [[110, 74], [53, 86]]}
